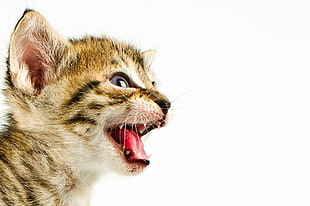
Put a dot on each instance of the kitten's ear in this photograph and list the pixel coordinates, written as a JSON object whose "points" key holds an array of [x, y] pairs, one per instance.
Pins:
{"points": [[148, 57], [35, 52]]}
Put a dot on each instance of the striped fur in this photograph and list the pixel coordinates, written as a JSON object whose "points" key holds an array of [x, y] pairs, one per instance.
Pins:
{"points": [[62, 103]]}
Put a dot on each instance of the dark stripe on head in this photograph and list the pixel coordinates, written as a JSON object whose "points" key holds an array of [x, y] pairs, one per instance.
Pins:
{"points": [[95, 106], [77, 96], [79, 118]]}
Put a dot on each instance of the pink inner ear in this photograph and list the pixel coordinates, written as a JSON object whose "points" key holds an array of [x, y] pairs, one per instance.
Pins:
{"points": [[35, 66]]}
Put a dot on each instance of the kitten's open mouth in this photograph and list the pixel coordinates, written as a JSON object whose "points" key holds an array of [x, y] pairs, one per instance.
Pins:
{"points": [[128, 139]]}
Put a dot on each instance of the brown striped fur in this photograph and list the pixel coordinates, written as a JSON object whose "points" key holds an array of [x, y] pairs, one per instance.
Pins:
{"points": [[62, 103]]}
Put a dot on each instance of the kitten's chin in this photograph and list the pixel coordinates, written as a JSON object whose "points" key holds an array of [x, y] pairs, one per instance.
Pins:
{"points": [[129, 169], [119, 165]]}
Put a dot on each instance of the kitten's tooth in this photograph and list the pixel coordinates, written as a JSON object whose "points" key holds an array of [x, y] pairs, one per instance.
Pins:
{"points": [[144, 127], [127, 152], [141, 128]]}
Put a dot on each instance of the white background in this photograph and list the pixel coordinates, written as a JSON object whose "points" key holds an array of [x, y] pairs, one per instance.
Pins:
{"points": [[237, 73]]}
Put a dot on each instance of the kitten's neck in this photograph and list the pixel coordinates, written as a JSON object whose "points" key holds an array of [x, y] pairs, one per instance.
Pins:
{"points": [[72, 177]]}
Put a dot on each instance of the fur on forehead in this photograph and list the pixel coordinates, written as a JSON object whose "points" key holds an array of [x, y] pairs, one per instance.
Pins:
{"points": [[109, 51], [108, 55]]}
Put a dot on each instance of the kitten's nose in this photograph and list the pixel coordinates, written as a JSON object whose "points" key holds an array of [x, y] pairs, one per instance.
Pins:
{"points": [[164, 105]]}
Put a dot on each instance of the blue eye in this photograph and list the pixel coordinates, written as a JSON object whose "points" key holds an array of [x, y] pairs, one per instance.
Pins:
{"points": [[119, 81]]}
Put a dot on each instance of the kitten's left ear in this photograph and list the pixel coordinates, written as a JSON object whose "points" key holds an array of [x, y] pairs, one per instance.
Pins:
{"points": [[35, 53], [148, 57]]}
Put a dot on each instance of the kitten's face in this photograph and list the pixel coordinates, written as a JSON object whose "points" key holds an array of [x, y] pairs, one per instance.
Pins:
{"points": [[114, 104], [95, 93]]}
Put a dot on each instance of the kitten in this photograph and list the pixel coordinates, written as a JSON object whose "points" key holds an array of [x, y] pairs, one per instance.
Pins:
{"points": [[78, 108]]}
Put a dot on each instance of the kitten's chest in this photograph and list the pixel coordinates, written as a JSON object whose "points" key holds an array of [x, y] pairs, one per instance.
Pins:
{"points": [[78, 198]]}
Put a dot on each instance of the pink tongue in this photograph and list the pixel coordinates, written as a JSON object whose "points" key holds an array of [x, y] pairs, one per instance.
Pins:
{"points": [[134, 148]]}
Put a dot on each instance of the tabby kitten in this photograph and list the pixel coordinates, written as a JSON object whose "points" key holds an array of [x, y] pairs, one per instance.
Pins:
{"points": [[78, 108]]}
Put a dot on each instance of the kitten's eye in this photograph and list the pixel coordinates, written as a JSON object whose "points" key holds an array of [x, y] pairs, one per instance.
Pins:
{"points": [[119, 80]]}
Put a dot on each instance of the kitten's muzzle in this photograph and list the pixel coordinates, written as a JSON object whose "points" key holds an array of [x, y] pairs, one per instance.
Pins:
{"points": [[160, 99]]}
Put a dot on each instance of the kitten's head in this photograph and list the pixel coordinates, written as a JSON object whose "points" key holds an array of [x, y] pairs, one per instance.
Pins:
{"points": [[95, 95]]}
